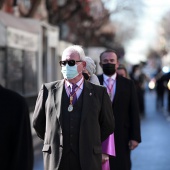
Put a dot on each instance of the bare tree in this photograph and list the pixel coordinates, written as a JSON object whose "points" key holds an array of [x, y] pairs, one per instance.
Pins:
{"points": [[24, 12], [125, 16]]}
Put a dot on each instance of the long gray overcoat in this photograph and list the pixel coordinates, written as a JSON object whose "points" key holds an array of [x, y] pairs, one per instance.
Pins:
{"points": [[97, 123]]}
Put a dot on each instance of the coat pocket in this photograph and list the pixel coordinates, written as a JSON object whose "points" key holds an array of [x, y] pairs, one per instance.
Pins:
{"points": [[97, 149], [46, 148]]}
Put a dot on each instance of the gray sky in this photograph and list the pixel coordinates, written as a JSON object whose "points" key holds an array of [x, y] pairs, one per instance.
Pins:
{"points": [[147, 34], [148, 30]]}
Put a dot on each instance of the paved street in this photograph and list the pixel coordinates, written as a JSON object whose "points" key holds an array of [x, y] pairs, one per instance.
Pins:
{"points": [[154, 151]]}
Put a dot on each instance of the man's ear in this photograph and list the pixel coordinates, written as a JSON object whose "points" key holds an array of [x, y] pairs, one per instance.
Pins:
{"points": [[84, 65]]}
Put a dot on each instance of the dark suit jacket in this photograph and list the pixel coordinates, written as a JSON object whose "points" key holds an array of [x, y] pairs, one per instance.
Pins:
{"points": [[16, 138], [127, 122], [97, 123]]}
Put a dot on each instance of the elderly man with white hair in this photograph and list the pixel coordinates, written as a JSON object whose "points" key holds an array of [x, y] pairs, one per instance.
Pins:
{"points": [[73, 117]]}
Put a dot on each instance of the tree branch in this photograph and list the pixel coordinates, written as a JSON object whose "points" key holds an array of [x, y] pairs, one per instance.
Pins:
{"points": [[34, 6]]}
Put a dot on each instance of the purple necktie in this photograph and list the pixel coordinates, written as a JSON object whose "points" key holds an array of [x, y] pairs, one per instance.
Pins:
{"points": [[74, 86]]}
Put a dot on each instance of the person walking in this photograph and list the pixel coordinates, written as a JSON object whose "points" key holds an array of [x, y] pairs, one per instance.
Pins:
{"points": [[166, 79], [125, 109], [139, 79], [16, 138], [73, 117], [160, 89]]}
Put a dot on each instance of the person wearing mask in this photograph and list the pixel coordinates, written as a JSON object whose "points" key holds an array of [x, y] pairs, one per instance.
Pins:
{"points": [[16, 138], [125, 109], [73, 117], [108, 147]]}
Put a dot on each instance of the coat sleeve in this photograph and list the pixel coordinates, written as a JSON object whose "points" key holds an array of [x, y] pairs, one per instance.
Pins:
{"points": [[134, 115], [106, 116], [39, 118]]}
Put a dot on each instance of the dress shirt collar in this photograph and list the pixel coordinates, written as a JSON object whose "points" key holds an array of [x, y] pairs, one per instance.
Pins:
{"points": [[67, 84], [105, 77]]}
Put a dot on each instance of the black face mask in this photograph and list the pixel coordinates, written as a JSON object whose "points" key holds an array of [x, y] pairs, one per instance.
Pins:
{"points": [[109, 69], [86, 76]]}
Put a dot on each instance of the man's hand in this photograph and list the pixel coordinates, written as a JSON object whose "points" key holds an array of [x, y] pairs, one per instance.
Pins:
{"points": [[105, 158], [132, 144]]}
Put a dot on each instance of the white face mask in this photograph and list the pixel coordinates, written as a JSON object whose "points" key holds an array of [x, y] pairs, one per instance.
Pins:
{"points": [[69, 72]]}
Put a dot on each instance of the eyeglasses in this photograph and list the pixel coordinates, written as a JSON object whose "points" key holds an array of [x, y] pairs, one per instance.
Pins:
{"points": [[70, 63]]}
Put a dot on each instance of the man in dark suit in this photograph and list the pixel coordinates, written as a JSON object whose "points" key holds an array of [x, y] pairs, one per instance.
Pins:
{"points": [[125, 109], [16, 138], [73, 117]]}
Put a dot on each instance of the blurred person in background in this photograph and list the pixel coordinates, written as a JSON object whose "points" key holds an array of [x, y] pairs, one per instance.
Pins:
{"points": [[125, 109], [73, 117], [166, 79], [89, 71], [139, 79], [122, 71], [160, 89], [108, 146], [16, 138]]}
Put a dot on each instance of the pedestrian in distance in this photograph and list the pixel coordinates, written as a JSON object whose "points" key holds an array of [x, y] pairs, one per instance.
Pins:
{"points": [[16, 138], [139, 79], [122, 71], [73, 116], [166, 79], [125, 109], [160, 89]]}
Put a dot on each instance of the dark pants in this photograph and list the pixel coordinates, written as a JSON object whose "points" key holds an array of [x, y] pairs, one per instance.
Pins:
{"points": [[70, 161]]}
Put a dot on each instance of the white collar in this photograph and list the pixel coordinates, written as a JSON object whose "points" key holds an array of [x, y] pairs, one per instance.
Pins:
{"points": [[105, 77], [78, 83]]}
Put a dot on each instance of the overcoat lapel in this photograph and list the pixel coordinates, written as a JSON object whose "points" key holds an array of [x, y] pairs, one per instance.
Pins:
{"points": [[58, 98], [118, 89], [88, 97]]}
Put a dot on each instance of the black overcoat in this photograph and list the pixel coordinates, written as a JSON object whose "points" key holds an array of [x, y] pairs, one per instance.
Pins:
{"points": [[127, 121], [15, 132]]}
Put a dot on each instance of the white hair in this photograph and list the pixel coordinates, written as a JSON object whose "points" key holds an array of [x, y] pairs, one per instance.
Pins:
{"points": [[90, 65], [75, 48], [91, 68]]}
